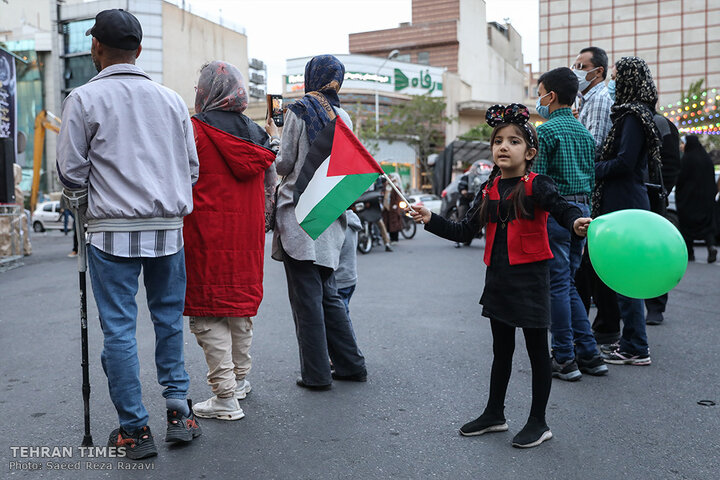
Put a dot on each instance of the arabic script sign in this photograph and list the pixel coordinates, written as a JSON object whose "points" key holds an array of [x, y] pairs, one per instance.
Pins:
{"points": [[7, 96], [375, 73], [423, 81]]}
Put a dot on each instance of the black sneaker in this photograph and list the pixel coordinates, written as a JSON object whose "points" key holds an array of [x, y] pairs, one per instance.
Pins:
{"points": [[593, 365], [181, 428], [567, 371], [483, 424], [533, 434], [137, 446]]}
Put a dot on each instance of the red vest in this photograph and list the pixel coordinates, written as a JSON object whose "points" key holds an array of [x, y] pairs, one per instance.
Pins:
{"points": [[527, 239]]}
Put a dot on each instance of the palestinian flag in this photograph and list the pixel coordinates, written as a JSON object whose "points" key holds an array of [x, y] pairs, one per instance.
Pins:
{"points": [[337, 170]]}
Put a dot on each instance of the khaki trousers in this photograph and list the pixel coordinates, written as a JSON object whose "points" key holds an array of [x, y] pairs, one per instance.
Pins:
{"points": [[226, 343]]}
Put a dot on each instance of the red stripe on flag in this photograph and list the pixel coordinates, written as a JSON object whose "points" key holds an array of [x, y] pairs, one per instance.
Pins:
{"points": [[348, 155]]}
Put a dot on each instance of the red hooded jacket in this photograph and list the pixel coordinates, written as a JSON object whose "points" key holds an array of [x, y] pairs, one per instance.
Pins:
{"points": [[225, 233]]}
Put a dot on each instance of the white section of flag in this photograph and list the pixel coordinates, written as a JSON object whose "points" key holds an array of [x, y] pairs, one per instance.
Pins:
{"points": [[317, 188]]}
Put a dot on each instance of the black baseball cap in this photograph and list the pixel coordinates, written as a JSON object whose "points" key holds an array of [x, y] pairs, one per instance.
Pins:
{"points": [[117, 28]]}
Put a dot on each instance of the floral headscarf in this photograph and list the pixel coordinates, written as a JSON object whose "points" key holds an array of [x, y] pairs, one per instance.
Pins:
{"points": [[221, 87]]}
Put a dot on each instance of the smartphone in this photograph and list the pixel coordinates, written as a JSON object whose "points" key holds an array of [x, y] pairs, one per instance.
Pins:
{"points": [[275, 107]]}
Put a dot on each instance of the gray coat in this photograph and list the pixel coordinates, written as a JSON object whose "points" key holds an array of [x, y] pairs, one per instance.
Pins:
{"points": [[325, 251]]}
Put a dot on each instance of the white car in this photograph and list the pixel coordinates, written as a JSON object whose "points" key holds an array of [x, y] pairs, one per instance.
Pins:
{"points": [[428, 200], [47, 217]]}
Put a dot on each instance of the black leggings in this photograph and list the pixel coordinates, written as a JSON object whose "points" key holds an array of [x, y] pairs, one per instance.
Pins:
{"points": [[503, 348]]}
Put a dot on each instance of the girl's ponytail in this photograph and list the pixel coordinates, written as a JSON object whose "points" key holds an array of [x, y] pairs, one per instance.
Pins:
{"points": [[483, 214]]}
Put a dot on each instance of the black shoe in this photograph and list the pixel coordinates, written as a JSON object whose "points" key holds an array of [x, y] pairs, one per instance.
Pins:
{"points": [[567, 371], [358, 377], [712, 254], [300, 383], [654, 318], [137, 446], [181, 428], [594, 365], [484, 424], [533, 434]]}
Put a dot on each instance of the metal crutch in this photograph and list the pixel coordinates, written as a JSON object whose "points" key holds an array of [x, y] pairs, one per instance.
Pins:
{"points": [[77, 200]]}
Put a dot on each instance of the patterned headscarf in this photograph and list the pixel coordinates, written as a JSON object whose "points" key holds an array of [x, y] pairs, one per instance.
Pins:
{"points": [[324, 76], [221, 87], [635, 95]]}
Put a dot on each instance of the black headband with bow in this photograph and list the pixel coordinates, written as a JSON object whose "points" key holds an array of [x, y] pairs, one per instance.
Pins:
{"points": [[515, 113]]}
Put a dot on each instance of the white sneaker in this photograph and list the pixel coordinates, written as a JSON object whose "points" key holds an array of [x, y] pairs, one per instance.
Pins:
{"points": [[242, 389], [220, 408]]}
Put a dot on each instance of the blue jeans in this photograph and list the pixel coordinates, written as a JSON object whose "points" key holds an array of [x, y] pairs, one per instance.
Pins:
{"points": [[569, 325], [115, 283], [634, 338], [346, 294]]}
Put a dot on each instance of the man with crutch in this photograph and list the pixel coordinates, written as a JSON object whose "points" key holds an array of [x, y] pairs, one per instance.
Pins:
{"points": [[129, 142]]}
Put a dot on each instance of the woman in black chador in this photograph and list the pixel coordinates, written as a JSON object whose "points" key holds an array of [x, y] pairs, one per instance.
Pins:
{"points": [[695, 195]]}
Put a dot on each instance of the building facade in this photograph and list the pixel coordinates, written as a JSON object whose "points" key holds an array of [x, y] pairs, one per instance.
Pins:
{"points": [[484, 61], [680, 39], [51, 35]]}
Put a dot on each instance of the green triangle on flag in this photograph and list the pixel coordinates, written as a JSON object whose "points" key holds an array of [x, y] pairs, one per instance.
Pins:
{"points": [[343, 170]]}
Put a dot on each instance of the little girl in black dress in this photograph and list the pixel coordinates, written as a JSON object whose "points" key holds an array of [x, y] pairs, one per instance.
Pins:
{"points": [[514, 206]]}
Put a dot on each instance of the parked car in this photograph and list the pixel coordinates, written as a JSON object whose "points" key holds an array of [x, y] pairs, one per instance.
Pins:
{"points": [[428, 200], [47, 217]]}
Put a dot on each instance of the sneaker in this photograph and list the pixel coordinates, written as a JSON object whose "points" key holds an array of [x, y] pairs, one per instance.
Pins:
{"points": [[483, 424], [624, 358], [533, 434], [593, 365], [242, 389], [220, 408], [608, 348], [388, 248], [567, 371], [137, 446], [181, 428], [654, 318], [72, 254]]}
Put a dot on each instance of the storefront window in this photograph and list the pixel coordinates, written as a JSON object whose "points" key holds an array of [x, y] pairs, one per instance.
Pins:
{"points": [[78, 70], [29, 101], [78, 67], [424, 58], [75, 39]]}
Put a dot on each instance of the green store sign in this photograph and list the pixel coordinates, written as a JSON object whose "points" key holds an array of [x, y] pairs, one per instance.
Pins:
{"points": [[423, 81]]}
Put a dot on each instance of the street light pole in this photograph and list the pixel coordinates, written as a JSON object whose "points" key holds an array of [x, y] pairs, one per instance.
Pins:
{"points": [[390, 56]]}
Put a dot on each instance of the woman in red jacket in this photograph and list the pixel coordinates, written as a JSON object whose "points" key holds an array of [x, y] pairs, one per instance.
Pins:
{"points": [[225, 234]]}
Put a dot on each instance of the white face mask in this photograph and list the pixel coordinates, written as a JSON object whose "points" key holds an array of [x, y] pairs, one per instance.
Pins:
{"points": [[582, 82]]}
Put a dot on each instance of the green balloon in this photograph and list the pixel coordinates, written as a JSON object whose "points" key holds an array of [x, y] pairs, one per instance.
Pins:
{"points": [[637, 253]]}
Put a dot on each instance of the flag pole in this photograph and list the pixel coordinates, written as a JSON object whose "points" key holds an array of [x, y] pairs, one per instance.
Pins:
{"points": [[397, 190]]}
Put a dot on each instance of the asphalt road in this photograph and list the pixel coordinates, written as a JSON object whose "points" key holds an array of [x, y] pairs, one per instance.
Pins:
{"points": [[428, 354]]}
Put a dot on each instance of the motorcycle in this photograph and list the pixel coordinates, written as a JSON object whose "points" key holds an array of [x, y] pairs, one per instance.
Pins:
{"points": [[368, 208], [409, 228]]}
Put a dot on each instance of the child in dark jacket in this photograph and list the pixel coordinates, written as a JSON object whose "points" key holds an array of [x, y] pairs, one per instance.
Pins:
{"points": [[514, 206]]}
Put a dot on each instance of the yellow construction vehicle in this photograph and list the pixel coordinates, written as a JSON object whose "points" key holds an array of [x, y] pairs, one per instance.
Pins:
{"points": [[43, 121]]}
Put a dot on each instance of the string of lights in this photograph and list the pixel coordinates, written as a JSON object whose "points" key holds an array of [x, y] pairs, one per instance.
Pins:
{"points": [[697, 114]]}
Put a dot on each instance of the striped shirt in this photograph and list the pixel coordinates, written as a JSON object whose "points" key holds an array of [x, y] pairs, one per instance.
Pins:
{"points": [[595, 112], [566, 153], [147, 243]]}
